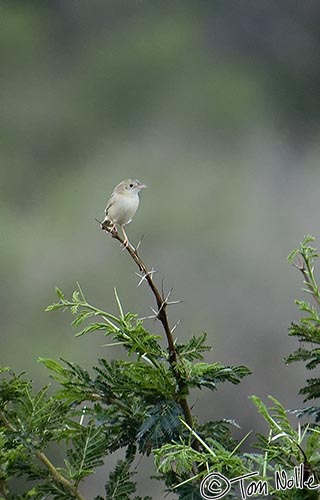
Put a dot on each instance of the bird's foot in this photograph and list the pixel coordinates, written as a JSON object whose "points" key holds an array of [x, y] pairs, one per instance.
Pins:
{"points": [[125, 244], [109, 227]]}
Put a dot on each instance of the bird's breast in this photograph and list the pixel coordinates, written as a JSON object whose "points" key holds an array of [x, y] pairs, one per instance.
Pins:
{"points": [[122, 211]]}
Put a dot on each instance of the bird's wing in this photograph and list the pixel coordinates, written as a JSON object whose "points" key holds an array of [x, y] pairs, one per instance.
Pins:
{"points": [[109, 204]]}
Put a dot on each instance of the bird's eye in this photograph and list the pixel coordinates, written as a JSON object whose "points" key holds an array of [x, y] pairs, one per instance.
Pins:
{"points": [[131, 185]]}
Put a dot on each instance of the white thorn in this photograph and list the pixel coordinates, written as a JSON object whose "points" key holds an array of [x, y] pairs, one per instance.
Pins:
{"points": [[143, 277], [176, 326]]}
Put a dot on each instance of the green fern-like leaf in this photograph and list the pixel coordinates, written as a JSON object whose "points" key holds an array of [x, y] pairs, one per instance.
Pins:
{"points": [[284, 444], [39, 416], [194, 348], [55, 490], [120, 486], [138, 340], [276, 417], [189, 492], [306, 332], [209, 375], [161, 425], [313, 411], [124, 378], [75, 380], [88, 449], [218, 431], [312, 389], [179, 456]]}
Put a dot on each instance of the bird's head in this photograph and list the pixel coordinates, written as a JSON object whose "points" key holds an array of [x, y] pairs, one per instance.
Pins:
{"points": [[129, 186]]}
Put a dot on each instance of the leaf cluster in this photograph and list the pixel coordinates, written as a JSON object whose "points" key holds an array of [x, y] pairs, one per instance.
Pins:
{"points": [[134, 405], [308, 330], [29, 422], [138, 405], [286, 447]]}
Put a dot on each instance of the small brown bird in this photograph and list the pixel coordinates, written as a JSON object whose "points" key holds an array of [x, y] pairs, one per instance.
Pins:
{"points": [[122, 205]]}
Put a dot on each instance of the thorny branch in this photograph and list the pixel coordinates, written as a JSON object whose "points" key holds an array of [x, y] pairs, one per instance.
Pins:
{"points": [[161, 314]]}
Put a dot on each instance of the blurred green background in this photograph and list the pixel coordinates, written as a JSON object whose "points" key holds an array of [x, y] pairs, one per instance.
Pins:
{"points": [[215, 106]]}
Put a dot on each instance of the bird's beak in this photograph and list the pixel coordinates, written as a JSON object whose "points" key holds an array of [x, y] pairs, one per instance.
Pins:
{"points": [[141, 186]]}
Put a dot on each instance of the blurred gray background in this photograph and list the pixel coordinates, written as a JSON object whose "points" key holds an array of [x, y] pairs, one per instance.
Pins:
{"points": [[215, 105]]}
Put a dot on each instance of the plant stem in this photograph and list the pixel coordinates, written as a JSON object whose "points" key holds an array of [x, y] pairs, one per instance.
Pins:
{"points": [[56, 476], [312, 282], [308, 276], [4, 492], [163, 318]]}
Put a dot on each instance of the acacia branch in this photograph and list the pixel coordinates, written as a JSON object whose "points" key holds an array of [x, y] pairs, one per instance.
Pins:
{"points": [[307, 273], [56, 476], [4, 492], [161, 314]]}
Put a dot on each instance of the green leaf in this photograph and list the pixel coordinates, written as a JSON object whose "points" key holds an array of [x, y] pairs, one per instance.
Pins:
{"points": [[82, 316], [87, 452], [189, 492], [92, 328], [194, 348], [60, 293], [180, 456], [52, 365], [162, 424], [312, 389], [120, 486], [138, 340], [137, 378], [54, 307], [292, 255], [74, 309], [209, 375], [284, 442]]}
